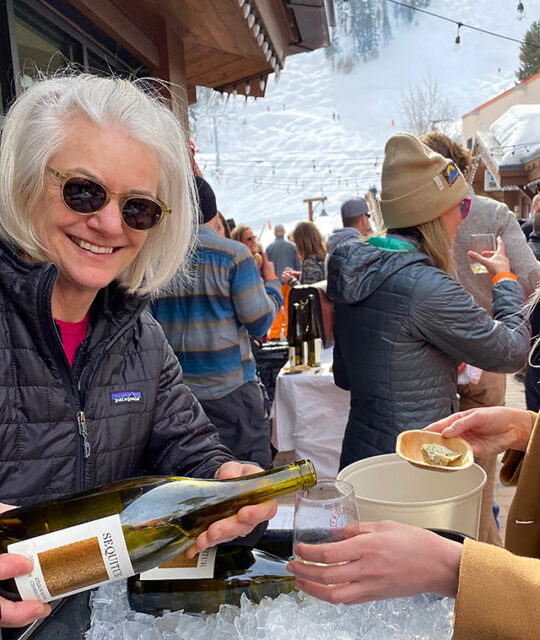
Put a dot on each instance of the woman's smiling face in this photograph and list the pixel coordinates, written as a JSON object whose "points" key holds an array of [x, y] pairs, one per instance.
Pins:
{"points": [[92, 250]]}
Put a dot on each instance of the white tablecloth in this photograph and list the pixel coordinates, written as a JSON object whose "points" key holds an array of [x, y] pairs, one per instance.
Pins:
{"points": [[310, 415]]}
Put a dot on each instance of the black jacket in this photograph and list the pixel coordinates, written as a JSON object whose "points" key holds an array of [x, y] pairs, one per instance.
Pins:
{"points": [[401, 327], [122, 410], [534, 244]]}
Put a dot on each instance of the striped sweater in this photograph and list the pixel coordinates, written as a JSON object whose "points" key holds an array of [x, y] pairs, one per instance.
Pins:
{"points": [[208, 320]]}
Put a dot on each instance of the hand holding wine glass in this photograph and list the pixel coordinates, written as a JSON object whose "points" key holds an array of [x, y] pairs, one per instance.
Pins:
{"points": [[489, 256]]}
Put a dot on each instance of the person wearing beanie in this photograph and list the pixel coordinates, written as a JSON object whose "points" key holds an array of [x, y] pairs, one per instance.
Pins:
{"points": [[402, 324], [208, 319], [355, 216], [486, 216]]}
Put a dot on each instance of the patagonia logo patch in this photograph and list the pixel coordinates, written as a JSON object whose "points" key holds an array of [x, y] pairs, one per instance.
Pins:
{"points": [[123, 397], [450, 173]]}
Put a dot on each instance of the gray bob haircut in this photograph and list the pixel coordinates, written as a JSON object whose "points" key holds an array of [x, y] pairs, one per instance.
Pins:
{"points": [[34, 130]]}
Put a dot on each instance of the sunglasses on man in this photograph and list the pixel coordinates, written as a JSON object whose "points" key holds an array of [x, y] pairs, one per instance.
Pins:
{"points": [[87, 196]]}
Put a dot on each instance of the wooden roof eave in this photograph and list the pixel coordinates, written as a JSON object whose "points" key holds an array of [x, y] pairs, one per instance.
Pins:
{"points": [[214, 27]]}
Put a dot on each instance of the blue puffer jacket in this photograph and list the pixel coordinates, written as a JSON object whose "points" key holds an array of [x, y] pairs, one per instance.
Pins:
{"points": [[401, 327], [122, 410]]}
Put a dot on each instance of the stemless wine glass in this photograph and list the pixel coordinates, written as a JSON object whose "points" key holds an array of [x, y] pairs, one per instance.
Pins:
{"points": [[320, 513], [481, 242]]}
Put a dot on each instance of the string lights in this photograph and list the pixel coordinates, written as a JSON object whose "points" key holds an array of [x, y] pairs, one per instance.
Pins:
{"points": [[469, 26], [457, 41], [346, 6]]}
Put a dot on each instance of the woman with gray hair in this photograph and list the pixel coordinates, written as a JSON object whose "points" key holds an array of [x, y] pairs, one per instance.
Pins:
{"points": [[96, 214]]}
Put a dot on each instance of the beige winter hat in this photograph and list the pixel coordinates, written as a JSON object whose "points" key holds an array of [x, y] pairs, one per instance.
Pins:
{"points": [[418, 184]]}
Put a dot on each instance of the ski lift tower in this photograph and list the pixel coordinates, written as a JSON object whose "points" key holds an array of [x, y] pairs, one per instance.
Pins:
{"points": [[310, 202]]}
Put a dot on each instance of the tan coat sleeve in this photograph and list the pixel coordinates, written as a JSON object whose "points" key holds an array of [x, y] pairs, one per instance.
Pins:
{"points": [[498, 596], [523, 524], [512, 460]]}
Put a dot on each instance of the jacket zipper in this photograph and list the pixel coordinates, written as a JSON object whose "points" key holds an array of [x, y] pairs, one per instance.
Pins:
{"points": [[52, 338], [81, 421]]}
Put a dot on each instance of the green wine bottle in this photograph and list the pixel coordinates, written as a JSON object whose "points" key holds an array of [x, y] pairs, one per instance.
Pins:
{"points": [[127, 527], [312, 334], [236, 571]]}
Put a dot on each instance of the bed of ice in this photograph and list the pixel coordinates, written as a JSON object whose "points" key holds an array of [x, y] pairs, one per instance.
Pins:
{"points": [[288, 617]]}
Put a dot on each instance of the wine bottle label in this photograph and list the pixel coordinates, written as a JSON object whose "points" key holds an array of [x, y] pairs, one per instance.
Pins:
{"points": [[317, 344], [292, 357], [305, 355], [73, 559], [182, 568]]}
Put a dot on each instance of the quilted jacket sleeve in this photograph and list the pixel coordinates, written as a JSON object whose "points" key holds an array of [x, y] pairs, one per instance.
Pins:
{"points": [[444, 314], [183, 441]]}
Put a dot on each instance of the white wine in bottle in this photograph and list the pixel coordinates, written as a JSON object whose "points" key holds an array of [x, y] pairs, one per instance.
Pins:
{"points": [[312, 334], [127, 527], [234, 571]]}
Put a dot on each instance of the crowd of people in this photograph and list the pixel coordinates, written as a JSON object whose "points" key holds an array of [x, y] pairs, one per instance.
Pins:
{"points": [[120, 274]]}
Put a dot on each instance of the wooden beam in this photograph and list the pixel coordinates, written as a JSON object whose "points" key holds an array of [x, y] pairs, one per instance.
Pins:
{"points": [[112, 20], [310, 202]]}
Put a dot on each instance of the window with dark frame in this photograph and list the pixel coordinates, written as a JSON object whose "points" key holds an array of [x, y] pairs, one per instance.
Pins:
{"points": [[41, 38]]}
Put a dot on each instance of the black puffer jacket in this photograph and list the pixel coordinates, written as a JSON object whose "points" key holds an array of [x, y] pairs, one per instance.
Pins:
{"points": [[401, 327], [121, 411]]}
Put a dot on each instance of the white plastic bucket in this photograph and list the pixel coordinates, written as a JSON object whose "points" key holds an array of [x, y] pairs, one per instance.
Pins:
{"points": [[389, 488]]}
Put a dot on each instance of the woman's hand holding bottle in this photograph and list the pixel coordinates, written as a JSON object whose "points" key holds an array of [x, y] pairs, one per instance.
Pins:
{"points": [[243, 522]]}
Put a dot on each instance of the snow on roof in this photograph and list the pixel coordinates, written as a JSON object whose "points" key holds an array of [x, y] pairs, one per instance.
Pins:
{"points": [[516, 135]]}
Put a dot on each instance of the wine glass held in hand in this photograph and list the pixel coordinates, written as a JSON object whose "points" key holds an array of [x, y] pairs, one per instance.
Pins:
{"points": [[484, 244], [320, 514]]}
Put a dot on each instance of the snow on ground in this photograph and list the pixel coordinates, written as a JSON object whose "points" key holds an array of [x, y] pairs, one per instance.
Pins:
{"points": [[322, 133]]}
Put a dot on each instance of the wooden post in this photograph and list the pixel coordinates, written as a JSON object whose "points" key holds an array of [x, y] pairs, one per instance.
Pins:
{"points": [[310, 202]]}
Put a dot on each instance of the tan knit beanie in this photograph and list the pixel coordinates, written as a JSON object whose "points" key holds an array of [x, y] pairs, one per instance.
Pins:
{"points": [[418, 184]]}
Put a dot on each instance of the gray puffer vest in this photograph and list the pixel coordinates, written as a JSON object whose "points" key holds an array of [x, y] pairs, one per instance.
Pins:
{"points": [[401, 327], [122, 410]]}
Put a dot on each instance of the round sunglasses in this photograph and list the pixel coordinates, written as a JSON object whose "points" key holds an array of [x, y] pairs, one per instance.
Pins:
{"points": [[86, 196]]}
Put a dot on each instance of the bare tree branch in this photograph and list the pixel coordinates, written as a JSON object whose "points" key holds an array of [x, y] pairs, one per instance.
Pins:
{"points": [[423, 108]]}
